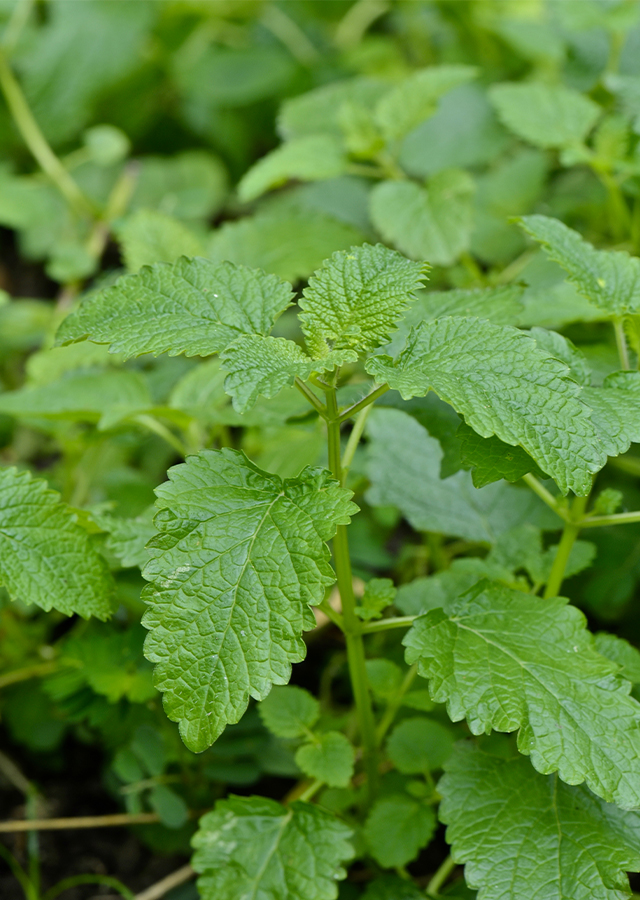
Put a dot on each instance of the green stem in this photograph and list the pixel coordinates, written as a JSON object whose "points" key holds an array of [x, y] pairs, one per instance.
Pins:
{"points": [[331, 614], [352, 625], [75, 880], [312, 790], [394, 705], [354, 439], [163, 432], [388, 624], [16, 24], [441, 875], [630, 464], [621, 343], [311, 397], [627, 518], [18, 873], [569, 534], [26, 673], [361, 404], [37, 143], [546, 497]]}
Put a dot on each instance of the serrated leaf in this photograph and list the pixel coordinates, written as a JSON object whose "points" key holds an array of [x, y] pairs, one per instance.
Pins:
{"points": [[312, 158], [397, 828], [621, 652], [431, 223], [420, 745], [289, 712], [504, 385], [616, 411], [149, 236], [566, 351], [356, 298], [403, 464], [263, 365], [128, 538], [521, 835], [193, 307], [330, 758], [545, 115], [490, 459], [225, 618], [290, 244], [252, 846], [378, 594], [610, 279], [508, 661], [415, 99], [45, 557]]}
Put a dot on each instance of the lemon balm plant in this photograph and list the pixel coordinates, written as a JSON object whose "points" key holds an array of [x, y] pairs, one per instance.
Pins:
{"points": [[239, 558]]}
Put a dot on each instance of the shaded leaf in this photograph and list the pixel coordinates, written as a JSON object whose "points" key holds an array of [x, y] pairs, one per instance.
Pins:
{"points": [[330, 758], [545, 115], [397, 828]]}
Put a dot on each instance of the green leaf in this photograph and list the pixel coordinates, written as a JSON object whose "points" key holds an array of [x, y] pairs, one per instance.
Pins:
{"points": [[621, 652], [566, 351], [45, 557], [191, 306], [270, 851], [392, 887], [545, 115], [511, 661], [522, 835], [615, 411], [384, 677], [504, 385], [431, 223], [397, 828], [171, 808], [501, 305], [190, 185], [378, 594], [259, 365], [404, 469], [312, 158], [128, 538], [330, 758], [225, 618], [318, 111], [610, 279], [289, 712], [291, 243], [416, 746], [356, 298], [149, 236], [490, 459], [415, 99]]}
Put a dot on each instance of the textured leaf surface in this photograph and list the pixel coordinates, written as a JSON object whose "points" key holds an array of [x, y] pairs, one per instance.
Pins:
{"points": [[128, 538], [508, 661], [239, 557], [608, 278], [616, 411], [415, 99], [397, 828], [404, 470], [192, 306], [356, 298], [431, 223], [504, 385], [45, 557], [330, 758], [521, 835], [490, 459], [254, 847], [264, 365], [312, 158], [545, 115]]}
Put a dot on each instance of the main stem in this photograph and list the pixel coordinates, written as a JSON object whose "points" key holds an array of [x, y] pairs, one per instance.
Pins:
{"points": [[352, 625], [569, 534]]}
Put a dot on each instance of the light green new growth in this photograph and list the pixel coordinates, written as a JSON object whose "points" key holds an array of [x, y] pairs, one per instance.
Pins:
{"points": [[254, 847], [508, 661], [521, 835], [192, 306], [545, 115], [289, 711], [239, 558], [45, 556], [503, 385], [610, 279], [329, 757], [312, 158]]}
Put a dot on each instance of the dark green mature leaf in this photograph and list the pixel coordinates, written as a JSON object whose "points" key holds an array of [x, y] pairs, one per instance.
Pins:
{"points": [[311, 158], [259, 364], [356, 298], [254, 847], [508, 661], [45, 557], [397, 828], [504, 385], [490, 459], [521, 835], [616, 410], [545, 115], [431, 223], [404, 470], [193, 307], [239, 556], [610, 279], [330, 757]]}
